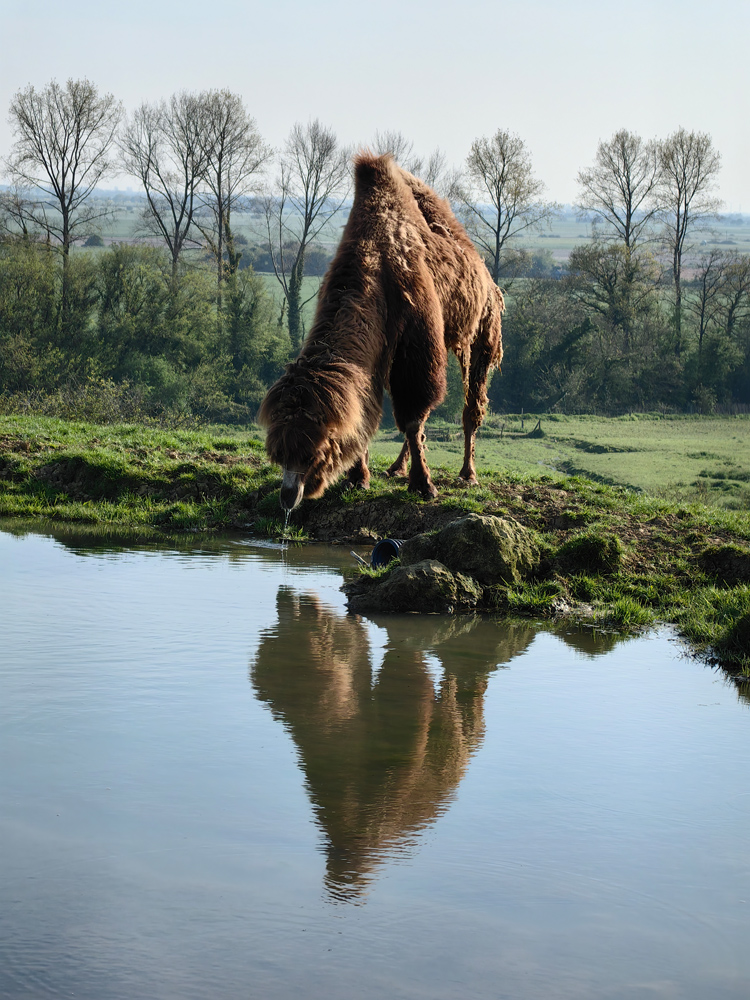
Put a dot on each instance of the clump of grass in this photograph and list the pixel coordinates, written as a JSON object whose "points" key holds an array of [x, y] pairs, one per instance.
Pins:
{"points": [[191, 516], [272, 527], [626, 613], [293, 533], [714, 619], [592, 552], [735, 642], [377, 572], [467, 505], [585, 588], [534, 598], [268, 527]]}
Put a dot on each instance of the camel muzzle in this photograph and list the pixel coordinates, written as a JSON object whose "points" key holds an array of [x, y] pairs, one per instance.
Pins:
{"points": [[292, 489]]}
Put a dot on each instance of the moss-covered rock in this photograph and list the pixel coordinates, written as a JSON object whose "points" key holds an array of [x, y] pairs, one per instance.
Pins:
{"points": [[450, 568], [489, 549], [420, 547], [425, 586]]}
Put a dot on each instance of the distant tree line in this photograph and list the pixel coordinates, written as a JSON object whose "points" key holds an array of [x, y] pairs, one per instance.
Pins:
{"points": [[638, 317]]}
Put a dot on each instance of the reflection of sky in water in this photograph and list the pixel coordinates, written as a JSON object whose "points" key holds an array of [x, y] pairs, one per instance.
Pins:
{"points": [[539, 821]]}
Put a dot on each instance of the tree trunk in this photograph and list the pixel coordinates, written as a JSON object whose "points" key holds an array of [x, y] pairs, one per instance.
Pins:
{"points": [[65, 290], [175, 263], [294, 317], [677, 274]]}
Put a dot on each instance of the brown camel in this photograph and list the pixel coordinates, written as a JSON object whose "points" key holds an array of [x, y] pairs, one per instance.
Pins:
{"points": [[406, 285]]}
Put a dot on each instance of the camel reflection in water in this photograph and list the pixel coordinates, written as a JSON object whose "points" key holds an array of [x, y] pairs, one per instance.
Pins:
{"points": [[383, 751]]}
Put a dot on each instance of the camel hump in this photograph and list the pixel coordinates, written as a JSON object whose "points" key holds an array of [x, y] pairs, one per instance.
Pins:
{"points": [[372, 171]]}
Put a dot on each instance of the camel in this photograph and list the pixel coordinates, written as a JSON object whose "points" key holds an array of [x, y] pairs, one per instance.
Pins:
{"points": [[406, 286]]}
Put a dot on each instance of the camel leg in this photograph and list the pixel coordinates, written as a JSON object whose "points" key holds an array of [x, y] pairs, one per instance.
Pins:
{"points": [[420, 480], [417, 379], [413, 400], [400, 466], [475, 407], [359, 474]]}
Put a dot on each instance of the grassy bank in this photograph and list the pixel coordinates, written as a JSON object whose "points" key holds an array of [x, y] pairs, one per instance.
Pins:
{"points": [[683, 458], [618, 558]]}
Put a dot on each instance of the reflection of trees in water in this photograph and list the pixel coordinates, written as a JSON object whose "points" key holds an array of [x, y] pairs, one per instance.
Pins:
{"points": [[382, 753]]}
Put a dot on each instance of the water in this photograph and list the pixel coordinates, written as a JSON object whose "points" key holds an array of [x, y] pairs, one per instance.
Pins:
{"points": [[216, 783]]}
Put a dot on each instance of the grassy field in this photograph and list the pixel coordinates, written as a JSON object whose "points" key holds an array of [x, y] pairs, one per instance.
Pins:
{"points": [[684, 564], [562, 234], [705, 459], [310, 288], [126, 225], [683, 459]]}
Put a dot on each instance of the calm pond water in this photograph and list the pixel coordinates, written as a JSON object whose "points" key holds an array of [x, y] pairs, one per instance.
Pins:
{"points": [[216, 783]]}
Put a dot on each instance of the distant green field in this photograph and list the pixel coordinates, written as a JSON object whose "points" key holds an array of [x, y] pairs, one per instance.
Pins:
{"points": [[679, 458], [309, 291], [566, 233], [126, 225], [559, 237]]}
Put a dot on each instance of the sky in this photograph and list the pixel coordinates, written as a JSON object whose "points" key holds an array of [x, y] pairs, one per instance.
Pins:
{"points": [[563, 76]]}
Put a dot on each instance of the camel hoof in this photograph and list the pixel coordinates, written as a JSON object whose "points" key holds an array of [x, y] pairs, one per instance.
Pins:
{"points": [[427, 492]]}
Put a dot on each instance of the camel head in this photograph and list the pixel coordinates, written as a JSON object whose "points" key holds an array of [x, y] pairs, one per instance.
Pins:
{"points": [[313, 418]]}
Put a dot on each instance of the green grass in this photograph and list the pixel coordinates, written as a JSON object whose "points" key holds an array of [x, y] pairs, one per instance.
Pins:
{"points": [[683, 458], [128, 474]]}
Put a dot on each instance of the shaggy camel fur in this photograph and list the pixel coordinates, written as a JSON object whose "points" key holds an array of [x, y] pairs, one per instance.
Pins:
{"points": [[406, 285]]}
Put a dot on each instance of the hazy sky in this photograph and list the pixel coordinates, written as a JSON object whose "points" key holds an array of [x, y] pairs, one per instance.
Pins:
{"points": [[562, 75]]}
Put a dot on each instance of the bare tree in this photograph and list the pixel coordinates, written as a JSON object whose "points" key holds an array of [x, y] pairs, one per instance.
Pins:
{"points": [[614, 282], [499, 197], [435, 172], [620, 189], [311, 188], [432, 170], [162, 145], [706, 304], [688, 165], [234, 154], [16, 207], [734, 304], [63, 139], [401, 149]]}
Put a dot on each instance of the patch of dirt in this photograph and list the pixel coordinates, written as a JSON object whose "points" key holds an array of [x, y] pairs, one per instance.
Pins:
{"points": [[370, 520]]}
